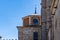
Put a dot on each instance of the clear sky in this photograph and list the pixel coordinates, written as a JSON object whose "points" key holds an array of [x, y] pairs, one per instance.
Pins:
{"points": [[11, 13]]}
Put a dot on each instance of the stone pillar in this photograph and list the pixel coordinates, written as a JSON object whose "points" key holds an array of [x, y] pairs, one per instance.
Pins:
{"points": [[48, 19], [53, 20], [43, 19]]}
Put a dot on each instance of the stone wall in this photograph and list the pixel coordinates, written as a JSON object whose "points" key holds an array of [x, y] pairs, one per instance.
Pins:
{"points": [[57, 23], [56, 19], [27, 33]]}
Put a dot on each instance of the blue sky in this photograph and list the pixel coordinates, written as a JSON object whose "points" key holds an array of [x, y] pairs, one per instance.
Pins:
{"points": [[11, 13]]}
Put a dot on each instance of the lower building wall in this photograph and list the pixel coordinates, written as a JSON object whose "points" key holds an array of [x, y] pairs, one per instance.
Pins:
{"points": [[27, 33]]}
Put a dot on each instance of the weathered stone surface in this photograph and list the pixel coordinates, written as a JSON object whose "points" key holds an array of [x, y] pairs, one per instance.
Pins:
{"points": [[57, 23], [27, 33]]}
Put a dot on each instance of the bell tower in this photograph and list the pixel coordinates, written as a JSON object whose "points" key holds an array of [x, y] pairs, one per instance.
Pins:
{"points": [[32, 20], [31, 27]]}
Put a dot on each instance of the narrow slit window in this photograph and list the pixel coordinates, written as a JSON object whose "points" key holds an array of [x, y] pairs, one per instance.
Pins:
{"points": [[35, 36]]}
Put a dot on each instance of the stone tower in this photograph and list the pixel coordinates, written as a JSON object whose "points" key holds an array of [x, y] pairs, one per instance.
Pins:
{"points": [[31, 28]]}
